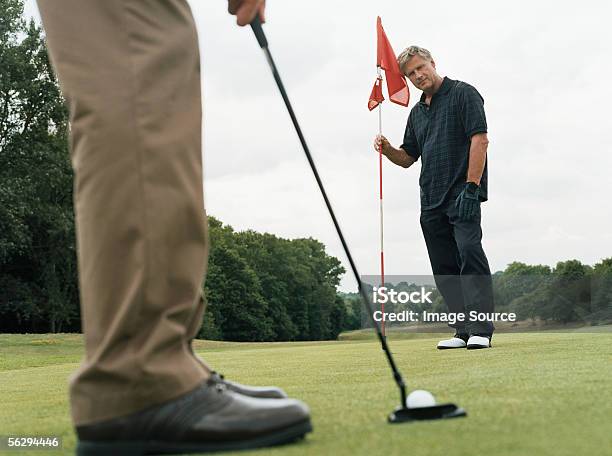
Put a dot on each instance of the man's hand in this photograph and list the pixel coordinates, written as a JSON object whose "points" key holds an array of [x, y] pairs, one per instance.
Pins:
{"points": [[468, 202], [397, 156], [386, 146], [245, 10]]}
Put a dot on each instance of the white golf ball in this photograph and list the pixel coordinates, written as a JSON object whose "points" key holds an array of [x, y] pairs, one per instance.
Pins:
{"points": [[420, 398]]}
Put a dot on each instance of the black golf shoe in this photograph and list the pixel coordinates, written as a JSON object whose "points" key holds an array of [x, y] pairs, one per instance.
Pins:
{"points": [[210, 418], [268, 392]]}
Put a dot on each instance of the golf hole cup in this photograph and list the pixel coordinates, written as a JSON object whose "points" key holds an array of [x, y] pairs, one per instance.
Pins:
{"points": [[420, 399]]}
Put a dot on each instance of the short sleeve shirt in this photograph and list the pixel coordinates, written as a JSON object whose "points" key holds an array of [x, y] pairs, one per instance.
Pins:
{"points": [[440, 134]]}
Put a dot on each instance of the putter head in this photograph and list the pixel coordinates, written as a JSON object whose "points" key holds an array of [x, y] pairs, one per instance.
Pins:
{"points": [[435, 412]]}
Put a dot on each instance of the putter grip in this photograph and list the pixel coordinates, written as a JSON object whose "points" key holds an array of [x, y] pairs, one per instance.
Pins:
{"points": [[258, 31]]}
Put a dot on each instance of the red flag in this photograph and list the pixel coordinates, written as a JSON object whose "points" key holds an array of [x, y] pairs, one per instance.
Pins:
{"points": [[376, 97], [385, 58]]}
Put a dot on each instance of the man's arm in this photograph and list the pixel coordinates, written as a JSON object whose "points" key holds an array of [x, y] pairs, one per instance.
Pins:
{"points": [[398, 156], [478, 157]]}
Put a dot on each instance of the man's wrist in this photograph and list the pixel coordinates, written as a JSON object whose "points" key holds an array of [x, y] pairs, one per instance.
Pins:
{"points": [[472, 189]]}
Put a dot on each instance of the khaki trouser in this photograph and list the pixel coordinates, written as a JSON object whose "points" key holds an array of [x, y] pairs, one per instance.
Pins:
{"points": [[129, 70]]}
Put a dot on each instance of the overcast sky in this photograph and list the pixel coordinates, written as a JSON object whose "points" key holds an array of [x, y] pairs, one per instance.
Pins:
{"points": [[543, 68]]}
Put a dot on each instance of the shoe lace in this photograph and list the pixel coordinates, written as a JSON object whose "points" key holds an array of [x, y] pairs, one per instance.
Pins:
{"points": [[218, 375], [216, 380]]}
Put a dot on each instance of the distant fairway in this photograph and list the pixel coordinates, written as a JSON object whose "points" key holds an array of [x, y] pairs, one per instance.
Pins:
{"points": [[532, 394]]}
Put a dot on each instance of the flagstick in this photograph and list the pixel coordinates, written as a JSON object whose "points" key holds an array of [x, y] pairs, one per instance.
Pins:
{"points": [[382, 255]]}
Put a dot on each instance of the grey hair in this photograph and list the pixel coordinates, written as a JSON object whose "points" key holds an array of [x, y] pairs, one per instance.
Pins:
{"points": [[410, 52]]}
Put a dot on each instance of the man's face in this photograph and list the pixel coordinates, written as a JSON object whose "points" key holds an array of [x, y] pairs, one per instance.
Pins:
{"points": [[421, 72]]}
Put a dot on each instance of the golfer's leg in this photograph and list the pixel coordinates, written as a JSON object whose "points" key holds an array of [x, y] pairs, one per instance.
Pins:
{"points": [[444, 259], [476, 279], [129, 70]]}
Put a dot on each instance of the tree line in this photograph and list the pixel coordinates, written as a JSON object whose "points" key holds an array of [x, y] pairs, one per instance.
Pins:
{"points": [[262, 287], [569, 292]]}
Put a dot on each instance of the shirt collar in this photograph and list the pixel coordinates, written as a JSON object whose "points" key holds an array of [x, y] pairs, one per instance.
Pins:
{"points": [[444, 88]]}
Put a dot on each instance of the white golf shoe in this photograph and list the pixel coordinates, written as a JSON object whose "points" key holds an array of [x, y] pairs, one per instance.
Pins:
{"points": [[475, 342], [454, 342]]}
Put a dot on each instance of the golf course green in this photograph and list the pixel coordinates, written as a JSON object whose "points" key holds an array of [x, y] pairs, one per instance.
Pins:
{"points": [[545, 393]]}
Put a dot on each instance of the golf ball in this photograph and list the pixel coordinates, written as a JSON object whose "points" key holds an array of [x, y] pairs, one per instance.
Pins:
{"points": [[420, 398]]}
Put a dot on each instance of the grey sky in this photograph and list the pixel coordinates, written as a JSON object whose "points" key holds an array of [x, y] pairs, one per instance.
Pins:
{"points": [[541, 66]]}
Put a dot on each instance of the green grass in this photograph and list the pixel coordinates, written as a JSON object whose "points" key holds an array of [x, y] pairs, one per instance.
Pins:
{"points": [[532, 394]]}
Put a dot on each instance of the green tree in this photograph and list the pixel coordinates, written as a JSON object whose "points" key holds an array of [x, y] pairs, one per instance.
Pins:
{"points": [[601, 305], [290, 291], [234, 298], [518, 281], [569, 293], [267, 254], [37, 253], [354, 311]]}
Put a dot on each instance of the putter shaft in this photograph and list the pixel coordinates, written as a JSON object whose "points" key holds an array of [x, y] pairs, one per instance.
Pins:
{"points": [[263, 43]]}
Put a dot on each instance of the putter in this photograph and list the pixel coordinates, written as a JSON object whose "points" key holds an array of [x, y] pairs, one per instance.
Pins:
{"points": [[401, 414]]}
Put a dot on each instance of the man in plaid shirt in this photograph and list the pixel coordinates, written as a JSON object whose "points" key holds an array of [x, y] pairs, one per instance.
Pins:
{"points": [[447, 129]]}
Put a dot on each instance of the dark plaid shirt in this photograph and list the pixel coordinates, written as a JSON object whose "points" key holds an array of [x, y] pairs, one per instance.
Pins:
{"points": [[440, 134]]}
